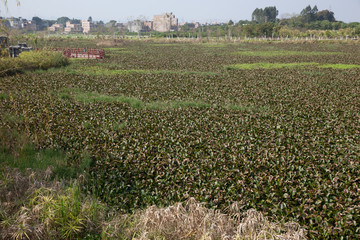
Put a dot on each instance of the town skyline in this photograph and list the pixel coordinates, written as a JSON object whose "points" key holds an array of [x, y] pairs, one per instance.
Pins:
{"points": [[187, 11]]}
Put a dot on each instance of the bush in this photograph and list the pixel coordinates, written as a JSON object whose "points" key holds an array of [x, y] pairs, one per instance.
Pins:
{"points": [[31, 61]]}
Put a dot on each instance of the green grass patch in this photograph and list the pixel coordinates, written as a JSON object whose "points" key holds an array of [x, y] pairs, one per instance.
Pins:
{"points": [[283, 53], [339, 66], [263, 65], [28, 158], [4, 96], [90, 97], [106, 70]]}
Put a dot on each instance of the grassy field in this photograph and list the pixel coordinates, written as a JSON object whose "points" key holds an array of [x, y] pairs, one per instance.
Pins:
{"points": [[271, 126]]}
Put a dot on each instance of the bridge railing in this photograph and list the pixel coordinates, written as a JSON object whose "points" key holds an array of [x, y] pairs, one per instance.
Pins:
{"points": [[89, 53]]}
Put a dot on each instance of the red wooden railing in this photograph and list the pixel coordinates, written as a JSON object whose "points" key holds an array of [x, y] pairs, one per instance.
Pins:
{"points": [[89, 53]]}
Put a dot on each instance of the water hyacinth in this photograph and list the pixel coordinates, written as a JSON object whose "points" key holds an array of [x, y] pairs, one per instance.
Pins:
{"points": [[283, 141]]}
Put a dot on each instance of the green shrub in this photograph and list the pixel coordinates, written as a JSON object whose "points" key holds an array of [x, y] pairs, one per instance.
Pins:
{"points": [[42, 60], [31, 61]]}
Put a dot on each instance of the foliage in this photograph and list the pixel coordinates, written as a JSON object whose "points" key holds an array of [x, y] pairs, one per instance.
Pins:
{"points": [[62, 20], [31, 61], [308, 14], [267, 14], [48, 210], [293, 153]]}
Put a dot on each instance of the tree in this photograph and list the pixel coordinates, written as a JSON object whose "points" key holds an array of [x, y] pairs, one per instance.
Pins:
{"points": [[38, 21], [258, 15], [90, 19], [75, 21], [230, 22], [111, 23], [309, 14], [63, 20], [267, 14], [4, 24], [270, 14], [325, 15]]}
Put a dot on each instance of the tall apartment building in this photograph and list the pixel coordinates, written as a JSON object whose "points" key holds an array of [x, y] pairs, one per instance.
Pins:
{"points": [[87, 26], [165, 22]]}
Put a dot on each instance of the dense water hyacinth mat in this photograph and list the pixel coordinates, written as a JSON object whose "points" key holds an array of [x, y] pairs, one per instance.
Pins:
{"points": [[284, 53], [265, 65], [296, 161]]}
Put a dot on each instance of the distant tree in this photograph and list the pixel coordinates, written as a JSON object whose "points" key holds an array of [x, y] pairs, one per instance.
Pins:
{"points": [[325, 15], [4, 24], [75, 21], [90, 19], [111, 23], [309, 14], [4, 27], [243, 22], [62, 20], [267, 14], [258, 15], [230, 22], [38, 21], [270, 14]]}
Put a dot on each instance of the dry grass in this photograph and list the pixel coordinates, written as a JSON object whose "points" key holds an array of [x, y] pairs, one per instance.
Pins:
{"points": [[32, 207], [111, 43], [192, 220]]}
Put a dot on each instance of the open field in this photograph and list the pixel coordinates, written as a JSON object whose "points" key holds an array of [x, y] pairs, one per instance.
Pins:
{"points": [[272, 126]]}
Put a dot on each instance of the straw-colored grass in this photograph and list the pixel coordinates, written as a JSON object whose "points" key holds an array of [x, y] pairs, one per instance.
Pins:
{"points": [[192, 220], [33, 207]]}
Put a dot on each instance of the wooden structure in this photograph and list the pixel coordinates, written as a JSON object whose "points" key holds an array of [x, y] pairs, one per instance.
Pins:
{"points": [[90, 53]]}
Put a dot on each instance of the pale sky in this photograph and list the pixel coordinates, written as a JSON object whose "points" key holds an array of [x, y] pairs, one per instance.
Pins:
{"points": [[184, 10]]}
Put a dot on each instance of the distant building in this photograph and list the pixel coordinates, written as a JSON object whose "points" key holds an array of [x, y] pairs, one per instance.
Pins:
{"points": [[165, 22], [56, 28], [76, 28], [15, 22], [148, 26], [87, 26], [135, 26], [29, 25], [120, 26], [196, 24]]}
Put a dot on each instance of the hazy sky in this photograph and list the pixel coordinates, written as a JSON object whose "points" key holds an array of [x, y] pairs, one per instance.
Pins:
{"points": [[185, 10]]}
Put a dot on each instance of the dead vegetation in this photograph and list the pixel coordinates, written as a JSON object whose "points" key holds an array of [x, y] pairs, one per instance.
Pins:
{"points": [[111, 43], [33, 207], [192, 220]]}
